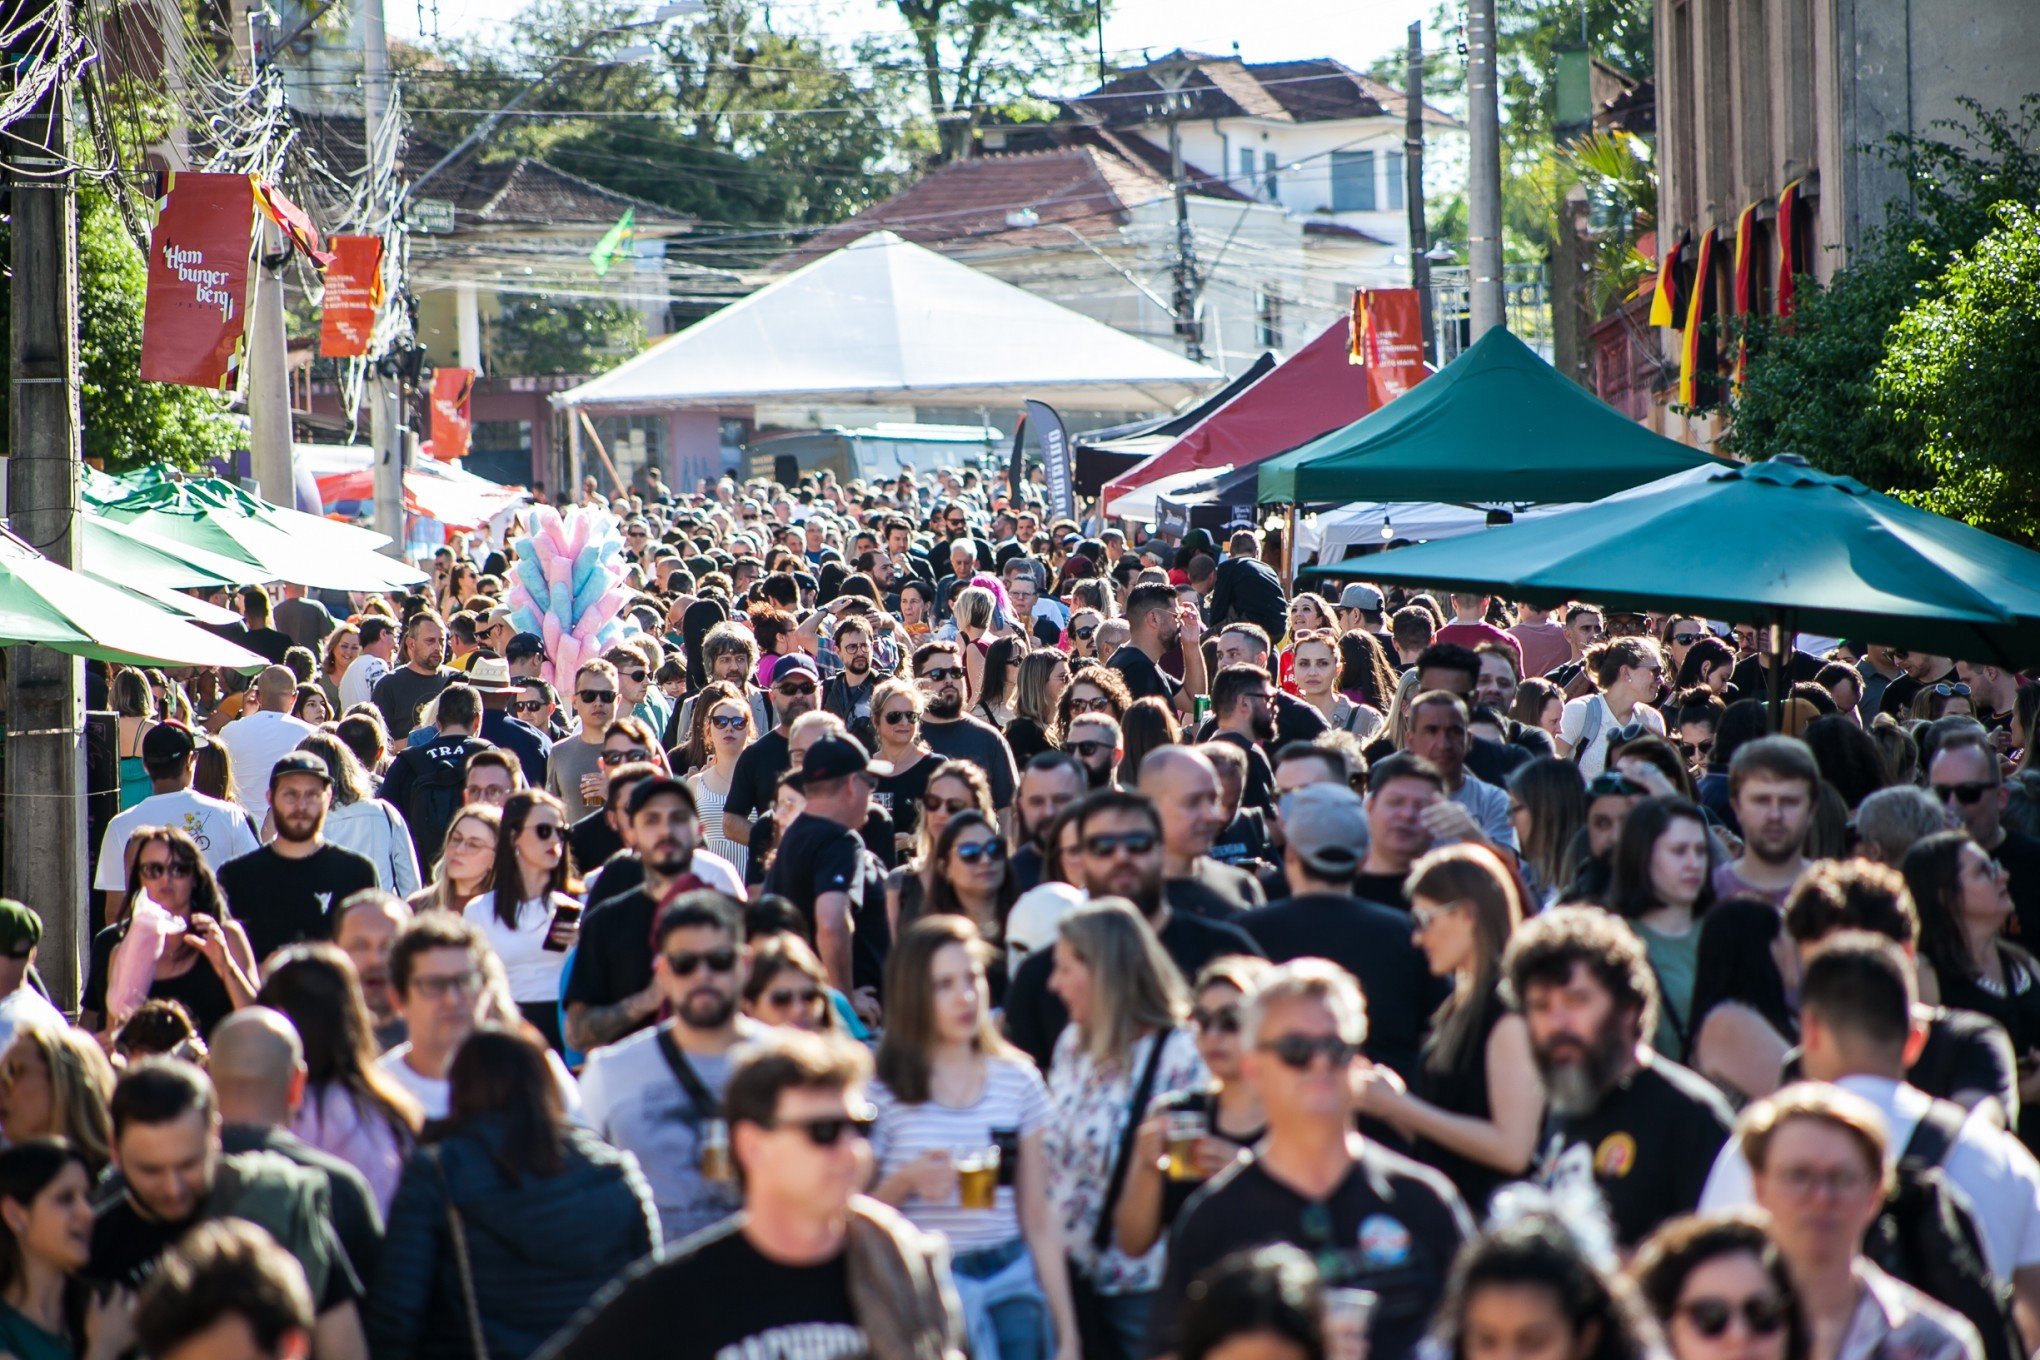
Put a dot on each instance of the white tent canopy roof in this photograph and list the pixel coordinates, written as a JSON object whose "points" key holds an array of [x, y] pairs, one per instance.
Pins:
{"points": [[888, 322]]}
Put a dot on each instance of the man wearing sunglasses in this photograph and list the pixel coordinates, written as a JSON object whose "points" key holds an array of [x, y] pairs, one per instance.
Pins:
{"points": [[573, 771], [1968, 781], [658, 1093], [822, 865], [810, 1268], [795, 689], [1094, 739], [1372, 1218], [956, 735]]}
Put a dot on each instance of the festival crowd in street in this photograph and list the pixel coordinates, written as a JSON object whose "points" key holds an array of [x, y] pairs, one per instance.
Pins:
{"points": [[935, 931]]}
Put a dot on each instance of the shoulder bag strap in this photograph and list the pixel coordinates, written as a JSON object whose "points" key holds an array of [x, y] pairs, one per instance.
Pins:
{"points": [[1143, 1092], [1590, 726], [462, 1266], [690, 1080]]}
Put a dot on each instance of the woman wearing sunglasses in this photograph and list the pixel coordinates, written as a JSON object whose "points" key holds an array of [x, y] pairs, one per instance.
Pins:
{"points": [[786, 986], [1474, 1104], [1227, 1111], [203, 960], [950, 1088], [896, 717], [530, 916], [973, 879], [953, 787], [1092, 689], [1081, 637], [1720, 1290], [723, 726]]}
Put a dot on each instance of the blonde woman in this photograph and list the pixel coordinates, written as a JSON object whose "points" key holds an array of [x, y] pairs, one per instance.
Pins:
{"points": [[1044, 675], [723, 726], [1314, 662], [896, 717], [976, 608], [1474, 1103], [1628, 672], [1308, 613], [953, 786], [133, 700], [1127, 1037], [1398, 718], [55, 1082], [467, 861]]}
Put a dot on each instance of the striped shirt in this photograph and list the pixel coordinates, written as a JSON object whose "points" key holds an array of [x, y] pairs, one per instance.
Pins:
{"points": [[1013, 1104]]}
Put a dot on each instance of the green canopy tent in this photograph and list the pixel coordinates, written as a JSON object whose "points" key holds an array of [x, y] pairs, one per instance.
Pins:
{"points": [[44, 603], [218, 518], [1775, 544], [1496, 425]]}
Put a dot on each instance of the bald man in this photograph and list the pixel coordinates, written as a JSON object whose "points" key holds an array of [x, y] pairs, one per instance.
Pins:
{"points": [[1183, 785], [258, 1069], [257, 740]]}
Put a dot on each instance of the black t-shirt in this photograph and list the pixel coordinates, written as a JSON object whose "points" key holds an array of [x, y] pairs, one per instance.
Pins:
{"points": [[977, 742], [593, 840], [1648, 1146], [1144, 679], [280, 901], [1217, 892], [1384, 889], [1244, 844], [1259, 790], [269, 643], [198, 988], [1392, 1226], [763, 1310], [755, 780], [818, 856], [1035, 1017], [1373, 943], [614, 957], [899, 793], [2020, 856]]}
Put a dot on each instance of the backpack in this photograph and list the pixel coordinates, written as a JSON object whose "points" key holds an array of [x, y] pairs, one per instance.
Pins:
{"points": [[433, 799], [1925, 1237]]}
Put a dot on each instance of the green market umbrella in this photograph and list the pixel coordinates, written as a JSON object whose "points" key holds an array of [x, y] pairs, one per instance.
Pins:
{"points": [[219, 518], [44, 603], [1497, 424], [1776, 543], [129, 555]]}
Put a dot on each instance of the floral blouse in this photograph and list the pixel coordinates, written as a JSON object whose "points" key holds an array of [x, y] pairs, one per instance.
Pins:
{"points": [[1090, 1112]]}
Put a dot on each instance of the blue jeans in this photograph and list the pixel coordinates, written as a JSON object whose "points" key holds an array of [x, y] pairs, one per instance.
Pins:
{"points": [[1127, 1315], [1014, 1306]]}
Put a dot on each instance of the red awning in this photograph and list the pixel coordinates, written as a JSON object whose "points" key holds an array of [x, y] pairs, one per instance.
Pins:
{"points": [[1313, 392]]}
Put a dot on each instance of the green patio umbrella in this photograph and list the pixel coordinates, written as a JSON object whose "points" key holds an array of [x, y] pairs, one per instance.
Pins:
{"points": [[1497, 424], [220, 519], [1776, 543], [45, 603], [127, 554]]}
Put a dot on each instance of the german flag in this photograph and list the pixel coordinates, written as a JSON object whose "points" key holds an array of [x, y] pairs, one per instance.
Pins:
{"points": [[1664, 304], [1698, 360], [1745, 285], [1789, 265]]}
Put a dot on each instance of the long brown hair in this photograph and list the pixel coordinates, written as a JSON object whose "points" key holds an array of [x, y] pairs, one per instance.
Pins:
{"points": [[509, 874], [81, 1085], [942, 896], [910, 1004], [501, 1074], [314, 986], [1473, 875], [206, 897], [694, 750], [1135, 985]]}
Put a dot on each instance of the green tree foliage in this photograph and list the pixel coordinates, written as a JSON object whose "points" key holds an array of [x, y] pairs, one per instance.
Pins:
{"points": [[1814, 385], [1957, 378], [552, 336], [125, 421], [1620, 179]]}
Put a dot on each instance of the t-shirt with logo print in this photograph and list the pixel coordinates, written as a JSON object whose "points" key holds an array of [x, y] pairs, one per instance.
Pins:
{"points": [[281, 901], [1392, 1226]]}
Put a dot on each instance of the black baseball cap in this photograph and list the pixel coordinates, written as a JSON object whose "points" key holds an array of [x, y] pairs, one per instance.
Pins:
{"points": [[170, 740], [299, 762], [834, 757], [524, 646]]}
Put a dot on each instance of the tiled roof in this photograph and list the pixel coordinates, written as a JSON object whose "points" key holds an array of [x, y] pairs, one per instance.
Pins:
{"points": [[1089, 187], [1315, 90], [1341, 231]]}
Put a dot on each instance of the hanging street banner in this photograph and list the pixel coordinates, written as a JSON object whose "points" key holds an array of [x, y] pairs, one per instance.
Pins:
{"points": [[1056, 456], [295, 222], [453, 392], [1388, 330], [354, 294], [196, 312]]}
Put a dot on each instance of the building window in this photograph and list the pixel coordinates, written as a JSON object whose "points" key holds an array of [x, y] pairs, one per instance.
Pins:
{"points": [[1392, 167], [501, 436], [633, 442], [1246, 184], [1353, 181], [1271, 181], [1267, 318]]}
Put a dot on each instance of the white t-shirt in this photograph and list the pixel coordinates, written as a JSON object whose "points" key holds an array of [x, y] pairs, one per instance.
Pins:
{"points": [[1013, 1104], [223, 831], [435, 1094], [255, 743], [26, 1006], [1572, 724], [359, 679], [534, 970]]}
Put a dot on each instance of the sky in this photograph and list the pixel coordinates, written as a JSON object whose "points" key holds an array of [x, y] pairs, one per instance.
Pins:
{"points": [[1353, 31]]}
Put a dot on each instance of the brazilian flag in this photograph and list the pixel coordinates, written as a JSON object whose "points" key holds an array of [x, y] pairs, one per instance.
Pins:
{"points": [[612, 241]]}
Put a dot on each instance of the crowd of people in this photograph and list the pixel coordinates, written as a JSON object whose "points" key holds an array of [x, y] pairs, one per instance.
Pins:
{"points": [[935, 930]]}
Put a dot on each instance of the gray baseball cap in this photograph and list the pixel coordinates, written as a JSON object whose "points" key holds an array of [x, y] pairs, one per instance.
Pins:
{"points": [[1326, 824], [1359, 596]]}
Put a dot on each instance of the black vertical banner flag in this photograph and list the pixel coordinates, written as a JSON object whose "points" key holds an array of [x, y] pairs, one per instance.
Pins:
{"points": [[1016, 470], [1056, 459]]}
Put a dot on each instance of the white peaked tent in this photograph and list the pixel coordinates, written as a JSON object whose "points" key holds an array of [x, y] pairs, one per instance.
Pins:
{"points": [[888, 322]]}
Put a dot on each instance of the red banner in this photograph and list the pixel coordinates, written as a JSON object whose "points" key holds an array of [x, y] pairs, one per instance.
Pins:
{"points": [[1390, 322], [198, 280], [452, 416], [353, 295], [296, 223]]}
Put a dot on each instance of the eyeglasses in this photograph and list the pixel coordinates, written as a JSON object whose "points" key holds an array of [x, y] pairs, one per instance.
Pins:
{"points": [[438, 988], [545, 831], [493, 794], [940, 673], [1298, 1051], [1132, 842], [1426, 917], [596, 696], [530, 705], [1966, 794], [790, 996], [935, 803], [1614, 786], [900, 716], [625, 757], [1763, 1314], [469, 843], [1685, 639], [1803, 1182], [1697, 748], [635, 677], [993, 850], [828, 1132], [175, 869], [685, 965], [793, 691], [735, 722], [1222, 1020], [1084, 634], [1086, 750], [1947, 691], [1101, 704]]}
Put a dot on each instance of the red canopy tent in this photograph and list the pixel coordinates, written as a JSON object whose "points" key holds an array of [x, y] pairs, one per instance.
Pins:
{"points": [[1313, 392]]}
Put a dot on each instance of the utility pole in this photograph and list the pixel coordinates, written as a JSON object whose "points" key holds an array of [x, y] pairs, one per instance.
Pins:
{"points": [[1484, 181], [1413, 190], [269, 453], [1188, 328], [44, 814], [385, 394]]}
